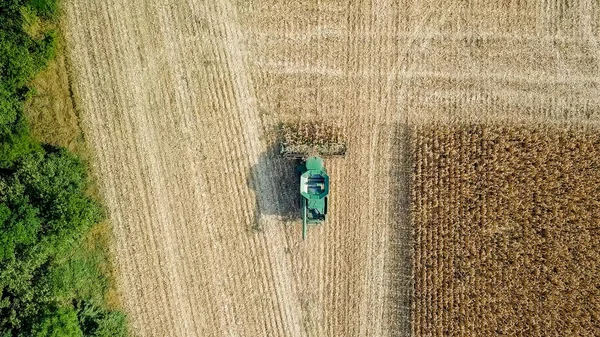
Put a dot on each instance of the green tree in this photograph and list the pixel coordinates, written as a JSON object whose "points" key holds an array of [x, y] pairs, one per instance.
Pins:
{"points": [[44, 202], [48, 9], [43, 211], [98, 322], [19, 225], [57, 322]]}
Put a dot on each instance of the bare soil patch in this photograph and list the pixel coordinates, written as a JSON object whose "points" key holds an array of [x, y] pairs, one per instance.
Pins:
{"points": [[506, 231]]}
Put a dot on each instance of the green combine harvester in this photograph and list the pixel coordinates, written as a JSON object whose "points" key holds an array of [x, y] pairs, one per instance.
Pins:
{"points": [[308, 143], [314, 187]]}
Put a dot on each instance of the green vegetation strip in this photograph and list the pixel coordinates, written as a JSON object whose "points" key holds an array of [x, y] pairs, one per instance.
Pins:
{"points": [[54, 274]]}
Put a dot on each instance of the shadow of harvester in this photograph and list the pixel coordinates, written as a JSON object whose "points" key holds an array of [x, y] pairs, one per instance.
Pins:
{"points": [[399, 261], [275, 181]]}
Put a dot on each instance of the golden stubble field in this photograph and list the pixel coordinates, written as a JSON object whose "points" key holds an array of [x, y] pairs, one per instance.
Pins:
{"points": [[179, 101]]}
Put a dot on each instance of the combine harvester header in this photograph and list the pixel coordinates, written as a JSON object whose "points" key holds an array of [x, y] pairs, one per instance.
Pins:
{"points": [[307, 143]]}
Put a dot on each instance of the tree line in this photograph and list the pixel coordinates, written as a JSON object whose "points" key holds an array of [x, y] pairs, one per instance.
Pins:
{"points": [[48, 285]]}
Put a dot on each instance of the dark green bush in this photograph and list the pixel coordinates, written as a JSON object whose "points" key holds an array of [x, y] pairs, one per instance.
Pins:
{"points": [[48, 9], [98, 322], [57, 322], [44, 196]]}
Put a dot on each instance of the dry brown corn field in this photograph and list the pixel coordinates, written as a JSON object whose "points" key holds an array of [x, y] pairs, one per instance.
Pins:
{"points": [[179, 100], [507, 223]]}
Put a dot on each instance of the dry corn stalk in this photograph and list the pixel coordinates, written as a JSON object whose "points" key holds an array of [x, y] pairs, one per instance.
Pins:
{"points": [[300, 140]]}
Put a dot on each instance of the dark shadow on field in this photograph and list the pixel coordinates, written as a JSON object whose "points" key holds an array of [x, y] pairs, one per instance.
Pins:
{"points": [[274, 180], [399, 266]]}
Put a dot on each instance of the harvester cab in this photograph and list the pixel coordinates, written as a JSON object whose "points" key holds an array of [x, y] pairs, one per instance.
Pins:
{"points": [[309, 143]]}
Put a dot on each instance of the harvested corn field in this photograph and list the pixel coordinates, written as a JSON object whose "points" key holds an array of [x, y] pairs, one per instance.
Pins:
{"points": [[507, 236], [182, 115]]}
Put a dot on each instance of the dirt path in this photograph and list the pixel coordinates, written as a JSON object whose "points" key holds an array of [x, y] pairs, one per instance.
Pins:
{"points": [[179, 100]]}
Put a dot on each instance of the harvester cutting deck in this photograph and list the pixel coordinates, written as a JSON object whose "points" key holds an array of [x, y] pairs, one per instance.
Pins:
{"points": [[307, 143]]}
